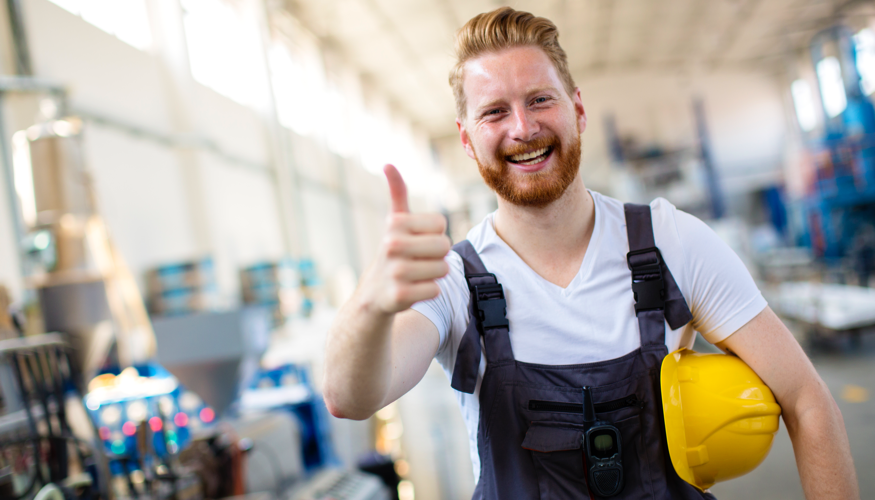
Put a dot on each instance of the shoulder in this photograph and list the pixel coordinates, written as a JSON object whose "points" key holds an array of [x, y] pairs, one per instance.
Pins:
{"points": [[664, 213], [483, 235]]}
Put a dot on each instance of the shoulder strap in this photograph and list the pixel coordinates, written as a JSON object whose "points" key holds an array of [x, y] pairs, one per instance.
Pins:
{"points": [[657, 296], [487, 310]]}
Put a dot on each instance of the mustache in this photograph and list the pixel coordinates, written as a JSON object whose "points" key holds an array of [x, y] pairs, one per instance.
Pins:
{"points": [[525, 147]]}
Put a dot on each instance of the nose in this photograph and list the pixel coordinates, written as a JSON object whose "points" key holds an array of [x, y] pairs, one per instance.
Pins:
{"points": [[525, 127]]}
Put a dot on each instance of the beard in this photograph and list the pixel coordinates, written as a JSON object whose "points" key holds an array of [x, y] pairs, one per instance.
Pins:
{"points": [[535, 189]]}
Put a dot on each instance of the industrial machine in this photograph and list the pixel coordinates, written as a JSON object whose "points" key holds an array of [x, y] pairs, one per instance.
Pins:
{"points": [[160, 413], [839, 211]]}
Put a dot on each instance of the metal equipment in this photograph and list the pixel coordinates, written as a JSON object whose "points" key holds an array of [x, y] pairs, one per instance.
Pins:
{"points": [[43, 441], [332, 484], [841, 203], [213, 353]]}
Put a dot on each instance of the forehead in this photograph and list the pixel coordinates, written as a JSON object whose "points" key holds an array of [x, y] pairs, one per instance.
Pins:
{"points": [[507, 74]]}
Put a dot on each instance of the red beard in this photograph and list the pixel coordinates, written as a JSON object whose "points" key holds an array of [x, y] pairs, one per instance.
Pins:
{"points": [[536, 189]]}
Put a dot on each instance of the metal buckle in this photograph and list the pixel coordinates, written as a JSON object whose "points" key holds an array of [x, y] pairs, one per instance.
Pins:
{"points": [[490, 303], [648, 284]]}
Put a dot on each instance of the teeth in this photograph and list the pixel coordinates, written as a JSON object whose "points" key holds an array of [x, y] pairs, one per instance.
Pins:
{"points": [[527, 156]]}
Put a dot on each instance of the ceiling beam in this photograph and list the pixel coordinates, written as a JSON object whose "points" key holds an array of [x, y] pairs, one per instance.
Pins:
{"points": [[602, 41], [449, 13], [730, 35], [413, 61], [686, 43]]}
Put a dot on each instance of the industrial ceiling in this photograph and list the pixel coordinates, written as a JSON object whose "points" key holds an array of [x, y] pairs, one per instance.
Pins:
{"points": [[404, 47]]}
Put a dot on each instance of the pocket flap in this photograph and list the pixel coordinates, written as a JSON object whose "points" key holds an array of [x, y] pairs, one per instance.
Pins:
{"points": [[549, 438]]}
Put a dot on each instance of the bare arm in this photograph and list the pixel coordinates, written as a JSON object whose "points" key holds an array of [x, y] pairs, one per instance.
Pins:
{"points": [[815, 424], [378, 348]]}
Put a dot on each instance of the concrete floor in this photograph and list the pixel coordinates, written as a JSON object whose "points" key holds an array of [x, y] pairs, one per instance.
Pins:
{"points": [[849, 372]]}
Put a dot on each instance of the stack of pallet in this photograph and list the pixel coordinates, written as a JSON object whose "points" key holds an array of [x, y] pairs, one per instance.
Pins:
{"points": [[183, 288], [275, 285]]}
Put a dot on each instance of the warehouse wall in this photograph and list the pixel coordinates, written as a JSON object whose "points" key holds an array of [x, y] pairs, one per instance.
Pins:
{"points": [[182, 172]]}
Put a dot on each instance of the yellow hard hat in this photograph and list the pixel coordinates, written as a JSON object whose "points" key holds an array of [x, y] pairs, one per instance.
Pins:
{"points": [[720, 417]]}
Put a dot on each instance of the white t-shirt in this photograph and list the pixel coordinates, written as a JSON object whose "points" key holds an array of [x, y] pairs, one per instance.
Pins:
{"points": [[593, 319]]}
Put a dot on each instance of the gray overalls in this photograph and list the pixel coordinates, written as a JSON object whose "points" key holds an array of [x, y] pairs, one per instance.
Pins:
{"points": [[530, 437]]}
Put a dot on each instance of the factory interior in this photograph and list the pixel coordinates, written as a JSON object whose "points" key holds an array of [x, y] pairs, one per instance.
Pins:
{"points": [[191, 189]]}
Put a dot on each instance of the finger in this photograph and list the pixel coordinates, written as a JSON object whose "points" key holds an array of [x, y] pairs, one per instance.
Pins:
{"points": [[420, 270], [418, 247], [418, 223], [415, 292], [397, 189]]}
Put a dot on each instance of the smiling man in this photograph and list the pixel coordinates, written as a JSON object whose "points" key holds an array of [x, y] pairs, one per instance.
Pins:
{"points": [[534, 318]]}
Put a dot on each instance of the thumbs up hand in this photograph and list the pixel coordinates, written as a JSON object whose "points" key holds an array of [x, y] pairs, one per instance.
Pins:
{"points": [[411, 257]]}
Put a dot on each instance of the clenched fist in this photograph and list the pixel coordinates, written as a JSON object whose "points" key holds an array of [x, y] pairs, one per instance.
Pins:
{"points": [[411, 257]]}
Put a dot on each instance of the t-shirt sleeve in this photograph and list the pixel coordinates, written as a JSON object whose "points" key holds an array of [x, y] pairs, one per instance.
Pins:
{"points": [[442, 310], [722, 292]]}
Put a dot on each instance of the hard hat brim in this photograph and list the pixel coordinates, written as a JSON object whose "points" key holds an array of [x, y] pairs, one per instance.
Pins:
{"points": [[673, 415]]}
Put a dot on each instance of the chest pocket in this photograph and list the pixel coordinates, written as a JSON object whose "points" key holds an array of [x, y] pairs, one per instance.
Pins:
{"points": [[557, 453]]}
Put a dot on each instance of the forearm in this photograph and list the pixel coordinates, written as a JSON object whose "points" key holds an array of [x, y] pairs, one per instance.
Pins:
{"points": [[358, 358], [359, 362], [821, 446]]}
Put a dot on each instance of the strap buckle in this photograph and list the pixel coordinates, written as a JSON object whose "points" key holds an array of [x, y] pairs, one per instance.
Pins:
{"points": [[489, 302], [648, 284]]}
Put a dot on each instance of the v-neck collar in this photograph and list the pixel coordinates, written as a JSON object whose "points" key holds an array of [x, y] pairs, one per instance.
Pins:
{"points": [[586, 264]]}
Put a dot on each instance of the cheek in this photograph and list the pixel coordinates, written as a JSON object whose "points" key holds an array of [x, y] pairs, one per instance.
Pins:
{"points": [[486, 142]]}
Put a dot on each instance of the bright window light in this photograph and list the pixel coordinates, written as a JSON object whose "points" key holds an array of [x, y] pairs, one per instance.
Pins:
{"points": [[126, 19], [804, 103], [832, 86], [338, 135], [865, 45], [299, 88], [23, 176], [224, 48]]}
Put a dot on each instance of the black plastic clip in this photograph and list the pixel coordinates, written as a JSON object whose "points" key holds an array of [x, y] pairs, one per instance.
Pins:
{"points": [[490, 303], [648, 284]]}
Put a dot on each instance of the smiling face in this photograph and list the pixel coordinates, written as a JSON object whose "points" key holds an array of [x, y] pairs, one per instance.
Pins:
{"points": [[521, 126]]}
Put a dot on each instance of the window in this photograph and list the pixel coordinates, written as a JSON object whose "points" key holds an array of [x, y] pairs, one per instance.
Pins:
{"points": [[126, 19], [832, 86], [224, 50], [804, 104], [299, 88], [865, 45]]}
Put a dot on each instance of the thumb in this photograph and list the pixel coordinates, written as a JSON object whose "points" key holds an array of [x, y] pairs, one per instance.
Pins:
{"points": [[397, 189]]}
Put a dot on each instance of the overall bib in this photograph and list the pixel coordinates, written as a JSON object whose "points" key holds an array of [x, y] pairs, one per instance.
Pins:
{"points": [[530, 437]]}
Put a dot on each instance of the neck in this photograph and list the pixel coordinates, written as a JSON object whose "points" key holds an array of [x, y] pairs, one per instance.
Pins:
{"points": [[557, 233]]}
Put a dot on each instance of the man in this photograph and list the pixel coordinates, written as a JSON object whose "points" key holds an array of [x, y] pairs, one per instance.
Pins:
{"points": [[559, 254]]}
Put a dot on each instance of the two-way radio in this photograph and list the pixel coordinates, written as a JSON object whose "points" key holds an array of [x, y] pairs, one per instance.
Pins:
{"points": [[603, 447]]}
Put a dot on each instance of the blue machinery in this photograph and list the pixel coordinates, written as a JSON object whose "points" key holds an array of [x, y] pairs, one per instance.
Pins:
{"points": [[840, 204]]}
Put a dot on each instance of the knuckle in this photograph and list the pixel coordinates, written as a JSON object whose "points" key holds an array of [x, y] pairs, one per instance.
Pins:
{"points": [[438, 221], [446, 244], [400, 294], [398, 271], [394, 246], [396, 221]]}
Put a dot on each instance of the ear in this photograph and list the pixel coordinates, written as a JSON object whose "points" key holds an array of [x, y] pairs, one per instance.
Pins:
{"points": [[578, 109], [466, 141]]}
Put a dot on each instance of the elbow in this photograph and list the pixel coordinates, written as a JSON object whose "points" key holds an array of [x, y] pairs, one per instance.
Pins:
{"points": [[338, 410], [814, 407]]}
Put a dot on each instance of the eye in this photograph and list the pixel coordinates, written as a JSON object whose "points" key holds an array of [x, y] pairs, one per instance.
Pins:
{"points": [[540, 100]]}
